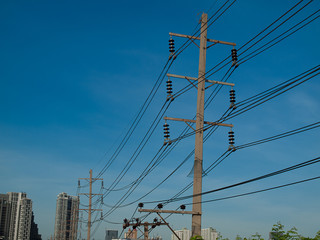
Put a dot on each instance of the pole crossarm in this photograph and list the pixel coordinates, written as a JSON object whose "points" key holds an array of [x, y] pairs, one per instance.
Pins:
{"points": [[146, 224], [208, 40], [89, 179], [91, 194], [196, 79], [91, 209], [205, 122], [168, 211]]}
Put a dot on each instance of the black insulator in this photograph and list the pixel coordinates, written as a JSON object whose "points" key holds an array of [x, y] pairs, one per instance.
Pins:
{"points": [[153, 226], [155, 220], [171, 46], [183, 207], [169, 86], [160, 205], [234, 54], [166, 130], [124, 227], [134, 227], [231, 137], [137, 219], [232, 96], [140, 205]]}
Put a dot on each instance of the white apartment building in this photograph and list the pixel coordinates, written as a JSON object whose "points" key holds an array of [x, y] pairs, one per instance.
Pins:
{"points": [[185, 234]]}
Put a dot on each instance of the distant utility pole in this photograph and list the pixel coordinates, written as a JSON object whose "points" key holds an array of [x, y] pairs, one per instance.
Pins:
{"points": [[90, 195], [138, 223], [197, 180]]}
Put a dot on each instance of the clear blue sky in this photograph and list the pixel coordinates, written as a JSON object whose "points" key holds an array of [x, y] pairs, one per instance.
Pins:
{"points": [[74, 74]]}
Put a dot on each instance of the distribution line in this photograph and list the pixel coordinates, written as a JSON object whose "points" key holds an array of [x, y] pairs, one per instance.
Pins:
{"points": [[275, 173], [259, 191]]}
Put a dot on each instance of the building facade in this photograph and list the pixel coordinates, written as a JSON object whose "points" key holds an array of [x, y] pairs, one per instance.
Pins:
{"points": [[4, 216], [16, 214], [209, 234], [111, 234], [185, 234], [66, 221]]}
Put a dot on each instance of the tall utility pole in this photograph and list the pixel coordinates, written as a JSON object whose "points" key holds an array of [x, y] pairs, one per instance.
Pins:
{"points": [[90, 195], [201, 80], [198, 152]]}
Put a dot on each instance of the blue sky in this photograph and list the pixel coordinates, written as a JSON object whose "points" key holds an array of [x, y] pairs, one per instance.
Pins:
{"points": [[74, 74]]}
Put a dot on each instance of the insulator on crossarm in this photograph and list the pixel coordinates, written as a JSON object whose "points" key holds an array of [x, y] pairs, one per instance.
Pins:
{"points": [[232, 98], [171, 46], [166, 132], [234, 56], [169, 87], [231, 140], [101, 218]]}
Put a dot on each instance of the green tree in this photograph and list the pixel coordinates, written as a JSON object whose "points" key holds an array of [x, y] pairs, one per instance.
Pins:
{"points": [[197, 237], [278, 233], [220, 237], [257, 236], [238, 237]]}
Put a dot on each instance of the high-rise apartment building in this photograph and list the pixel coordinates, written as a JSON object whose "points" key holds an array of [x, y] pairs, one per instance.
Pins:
{"points": [[15, 219], [111, 234], [66, 222], [209, 234], [4, 216], [185, 234]]}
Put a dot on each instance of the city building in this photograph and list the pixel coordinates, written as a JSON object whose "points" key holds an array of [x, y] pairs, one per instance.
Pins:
{"points": [[185, 234], [209, 234], [4, 216], [15, 216], [34, 231], [66, 221], [111, 234]]}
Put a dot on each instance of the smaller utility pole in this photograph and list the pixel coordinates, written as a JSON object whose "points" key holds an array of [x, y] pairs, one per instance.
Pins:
{"points": [[145, 225], [90, 195]]}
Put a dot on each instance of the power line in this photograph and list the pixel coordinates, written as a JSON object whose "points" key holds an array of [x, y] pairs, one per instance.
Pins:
{"points": [[288, 169], [259, 191]]}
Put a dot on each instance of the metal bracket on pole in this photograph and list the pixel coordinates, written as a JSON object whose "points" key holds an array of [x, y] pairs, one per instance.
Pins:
{"points": [[193, 121], [197, 38], [196, 79]]}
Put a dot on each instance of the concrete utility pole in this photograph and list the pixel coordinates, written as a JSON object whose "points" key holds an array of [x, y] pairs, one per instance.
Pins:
{"points": [[198, 152], [197, 179], [90, 195]]}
